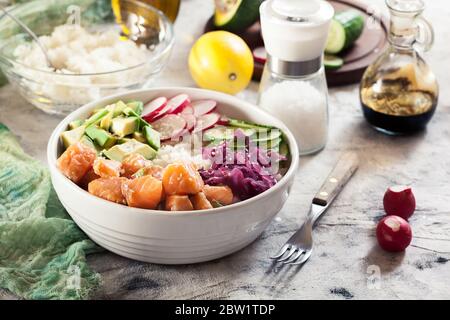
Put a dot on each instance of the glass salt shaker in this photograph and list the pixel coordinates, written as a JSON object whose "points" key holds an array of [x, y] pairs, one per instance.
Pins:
{"points": [[293, 86]]}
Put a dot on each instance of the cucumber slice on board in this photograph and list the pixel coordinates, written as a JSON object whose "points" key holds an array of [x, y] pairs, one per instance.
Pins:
{"points": [[332, 62], [345, 28], [236, 15]]}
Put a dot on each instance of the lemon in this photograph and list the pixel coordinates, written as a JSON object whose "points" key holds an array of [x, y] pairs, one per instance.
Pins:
{"points": [[222, 61]]}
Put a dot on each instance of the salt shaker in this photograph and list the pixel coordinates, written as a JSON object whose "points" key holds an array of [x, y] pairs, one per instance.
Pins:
{"points": [[293, 86]]}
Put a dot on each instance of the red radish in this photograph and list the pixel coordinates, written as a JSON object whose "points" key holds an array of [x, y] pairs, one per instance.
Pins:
{"points": [[399, 201], [394, 233], [153, 107], [224, 120], [191, 120], [188, 110], [206, 121], [202, 107], [169, 126], [260, 55], [174, 105]]}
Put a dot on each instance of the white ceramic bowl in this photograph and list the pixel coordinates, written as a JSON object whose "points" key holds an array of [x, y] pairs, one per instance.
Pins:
{"points": [[165, 237]]}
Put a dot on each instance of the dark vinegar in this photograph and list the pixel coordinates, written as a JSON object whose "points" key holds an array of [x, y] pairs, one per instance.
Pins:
{"points": [[398, 124]]}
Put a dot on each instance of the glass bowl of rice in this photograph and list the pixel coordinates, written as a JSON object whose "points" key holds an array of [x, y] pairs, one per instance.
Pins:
{"points": [[96, 49]]}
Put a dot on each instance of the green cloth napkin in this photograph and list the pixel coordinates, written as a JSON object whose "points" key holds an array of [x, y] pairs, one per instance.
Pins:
{"points": [[42, 251]]}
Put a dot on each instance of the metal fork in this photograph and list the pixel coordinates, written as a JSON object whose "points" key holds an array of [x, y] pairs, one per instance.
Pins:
{"points": [[298, 248]]}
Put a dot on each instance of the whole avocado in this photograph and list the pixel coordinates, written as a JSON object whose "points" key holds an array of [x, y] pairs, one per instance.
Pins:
{"points": [[236, 16]]}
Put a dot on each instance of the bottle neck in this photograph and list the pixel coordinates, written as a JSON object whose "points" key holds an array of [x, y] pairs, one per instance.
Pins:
{"points": [[403, 30]]}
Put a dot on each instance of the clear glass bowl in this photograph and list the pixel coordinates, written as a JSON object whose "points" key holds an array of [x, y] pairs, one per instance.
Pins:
{"points": [[61, 93]]}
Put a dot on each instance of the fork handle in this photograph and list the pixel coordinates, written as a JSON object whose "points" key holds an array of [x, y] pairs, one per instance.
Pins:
{"points": [[344, 169]]}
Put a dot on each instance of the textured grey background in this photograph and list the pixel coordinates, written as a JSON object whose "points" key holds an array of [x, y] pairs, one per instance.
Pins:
{"points": [[345, 248]]}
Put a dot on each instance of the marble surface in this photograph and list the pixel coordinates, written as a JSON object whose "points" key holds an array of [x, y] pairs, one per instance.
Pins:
{"points": [[346, 263]]}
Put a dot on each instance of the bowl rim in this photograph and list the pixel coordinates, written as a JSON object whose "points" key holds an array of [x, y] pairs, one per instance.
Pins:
{"points": [[232, 100], [168, 24]]}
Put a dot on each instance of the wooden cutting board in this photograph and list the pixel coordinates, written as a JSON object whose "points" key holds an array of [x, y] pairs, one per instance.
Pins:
{"points": [[357, 58]]}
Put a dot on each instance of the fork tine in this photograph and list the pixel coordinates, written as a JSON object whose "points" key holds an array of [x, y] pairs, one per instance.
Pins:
{"points": [[294, 257], [303, 259], [292, 250], [281, 252]]}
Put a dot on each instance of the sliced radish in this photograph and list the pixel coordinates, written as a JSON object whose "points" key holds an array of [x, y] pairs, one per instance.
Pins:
{"points": [[174, 105], [202, 107], [153, 107], [260, 55], [169, 126], [224, 120], [187, 110], [206, 121], [191, 120]]}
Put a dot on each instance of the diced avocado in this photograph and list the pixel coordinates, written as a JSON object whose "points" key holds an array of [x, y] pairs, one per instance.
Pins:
{"points": [[101, 137], [129, 112], [75, 124], [71, 137], [106, 121], [139, 173], [123, 140], [120, 151], [153, 137], [139, 137], [124, 126], [96, 117], [216, 204], [119, 107], [89, 143], [137, 106]]}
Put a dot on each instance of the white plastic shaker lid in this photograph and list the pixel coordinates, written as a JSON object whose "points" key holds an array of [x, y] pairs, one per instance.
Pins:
{"points": [[295, 30]]}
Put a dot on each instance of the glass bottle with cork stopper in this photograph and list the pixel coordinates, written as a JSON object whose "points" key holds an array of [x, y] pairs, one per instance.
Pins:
{"points": [[293, 86], [399, 92]]}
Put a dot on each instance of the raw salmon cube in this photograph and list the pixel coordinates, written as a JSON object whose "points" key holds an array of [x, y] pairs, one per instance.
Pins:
{"points": [[132, 163], [152, 170], [143, 192], [178, 203], [107, 168], [200, 202], [108, 188], [182, 179], [221, 194], [76, 161]]}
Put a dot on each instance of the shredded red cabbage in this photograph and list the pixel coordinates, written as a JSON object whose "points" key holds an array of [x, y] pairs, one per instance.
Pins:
{"points": [[243, 166]]}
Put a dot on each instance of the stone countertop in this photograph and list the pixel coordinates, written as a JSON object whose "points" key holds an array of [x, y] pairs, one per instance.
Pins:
{"points": [[346, 263]]}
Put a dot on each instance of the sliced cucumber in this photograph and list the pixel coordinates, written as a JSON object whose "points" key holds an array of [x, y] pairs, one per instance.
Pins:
{"points": [[345, 28], [269, 144], [247, 124], [236, 15], [267, 135], [332, 62], [218, 134], [284, 149]]}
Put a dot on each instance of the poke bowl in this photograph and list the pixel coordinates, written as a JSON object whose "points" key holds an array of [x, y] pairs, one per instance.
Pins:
{"points": [[177, 204], [95, 48]]}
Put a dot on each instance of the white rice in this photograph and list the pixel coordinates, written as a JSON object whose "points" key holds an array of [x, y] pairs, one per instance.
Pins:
{"points": [[74, 50], [168, 154]]}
